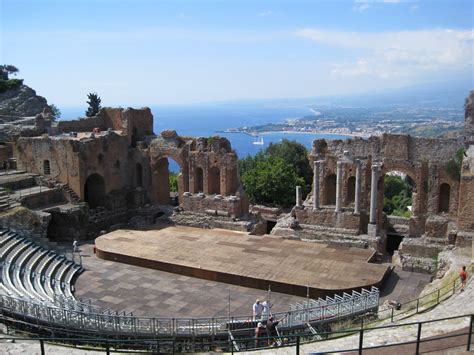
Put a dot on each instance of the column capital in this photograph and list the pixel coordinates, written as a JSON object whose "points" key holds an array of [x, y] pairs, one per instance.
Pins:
{"points": [[376, 167], [340, 163]]}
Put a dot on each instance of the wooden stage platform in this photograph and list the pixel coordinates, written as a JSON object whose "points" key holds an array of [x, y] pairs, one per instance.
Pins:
{"points": [[287, 266]]}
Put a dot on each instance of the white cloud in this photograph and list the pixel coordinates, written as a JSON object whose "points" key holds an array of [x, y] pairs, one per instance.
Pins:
{"points": [[361, 5], [266, 13], [398, 54]]}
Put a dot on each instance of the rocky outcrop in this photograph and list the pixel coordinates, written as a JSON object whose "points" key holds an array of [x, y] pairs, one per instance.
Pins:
{"points": [[21, 101]]}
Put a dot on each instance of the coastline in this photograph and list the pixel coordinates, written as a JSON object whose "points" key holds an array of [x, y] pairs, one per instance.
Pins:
{"points": [[323, 132]]}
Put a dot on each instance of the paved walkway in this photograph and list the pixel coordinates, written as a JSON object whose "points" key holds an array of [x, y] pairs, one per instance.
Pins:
{"points": [[148, 292]]}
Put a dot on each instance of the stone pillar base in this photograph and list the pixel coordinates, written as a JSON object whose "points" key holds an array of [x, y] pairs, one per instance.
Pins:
{"points": [[372, 230]]}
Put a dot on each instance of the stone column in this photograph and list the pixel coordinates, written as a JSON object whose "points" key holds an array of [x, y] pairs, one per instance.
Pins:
{"points": [[298, 196], [339, 186], [357, 188], [373, 193], [316, 169]]}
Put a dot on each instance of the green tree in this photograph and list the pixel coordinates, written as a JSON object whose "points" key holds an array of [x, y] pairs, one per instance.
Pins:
{"points": [[270, 176], [94, 104], [397, 195], [55, 111], [271, 181], [173, 182], [8, 69], [295, 154]]}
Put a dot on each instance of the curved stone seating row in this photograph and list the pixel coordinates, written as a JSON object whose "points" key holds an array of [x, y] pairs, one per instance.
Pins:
{"points": [[33, 273]]}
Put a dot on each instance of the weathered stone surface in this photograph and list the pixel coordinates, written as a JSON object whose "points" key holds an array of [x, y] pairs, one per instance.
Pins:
{"points": [[25, 221], [469, 117], [169, 133], [21, 101]]}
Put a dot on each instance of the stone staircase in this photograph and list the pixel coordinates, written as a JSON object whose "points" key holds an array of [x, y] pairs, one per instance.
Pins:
{"points": [[4, 200], [73, 197], [69, 193], [323, 234]]}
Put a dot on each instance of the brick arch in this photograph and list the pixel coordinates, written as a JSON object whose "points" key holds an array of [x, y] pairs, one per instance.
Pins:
{"points": [[408, 169], [160, 178]]}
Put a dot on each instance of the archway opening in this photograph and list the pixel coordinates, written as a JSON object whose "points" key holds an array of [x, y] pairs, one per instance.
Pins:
{"points": [[330, 190], [139, 175], [393, 243], [270, 226], [199, 181], [167, 172], [351, 183], [397, 194], [214, 181], [94, 191], [444, 195]]}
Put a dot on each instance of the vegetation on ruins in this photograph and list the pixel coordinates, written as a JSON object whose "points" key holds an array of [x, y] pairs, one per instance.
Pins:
{"points": [[10, 84], [55, 111], [272, 175], [397, 195], [173, 182], [94, 104], [454, 166]]}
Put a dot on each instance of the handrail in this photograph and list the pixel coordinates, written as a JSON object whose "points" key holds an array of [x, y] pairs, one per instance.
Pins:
{"points": [[241, 344]]}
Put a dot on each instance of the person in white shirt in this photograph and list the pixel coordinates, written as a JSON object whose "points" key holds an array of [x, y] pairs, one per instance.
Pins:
{"points": [[257, 309], [266, 305], [75, 246]]}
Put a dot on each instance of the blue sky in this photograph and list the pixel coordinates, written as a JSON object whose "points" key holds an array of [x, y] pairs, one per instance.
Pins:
{"points": [[144, 52]]}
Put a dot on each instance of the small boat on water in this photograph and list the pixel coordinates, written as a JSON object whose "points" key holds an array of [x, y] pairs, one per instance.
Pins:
{"points": [[259, 141]]}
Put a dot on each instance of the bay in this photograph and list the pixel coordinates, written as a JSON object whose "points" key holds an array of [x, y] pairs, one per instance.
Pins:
{"points": [[211, 120]]}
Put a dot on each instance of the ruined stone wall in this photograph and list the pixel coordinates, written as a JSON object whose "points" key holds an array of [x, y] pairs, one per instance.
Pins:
{"points": [[327, 217], [207, 165], [113, 118], [64, 160], [469, 118], [466, 193], [82, 125], [394, 146], [137, 123], [106, 155], [72, 161], [423, 159], [212, 205]]}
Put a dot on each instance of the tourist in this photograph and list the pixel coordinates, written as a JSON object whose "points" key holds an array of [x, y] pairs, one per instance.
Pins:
{"points": [[272, 331], [463, 277], [257, 309], [75, 246], [266, 313], [258, 333]]}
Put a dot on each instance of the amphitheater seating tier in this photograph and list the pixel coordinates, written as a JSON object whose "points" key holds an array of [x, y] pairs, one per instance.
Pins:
{"points": [[31, 272]]}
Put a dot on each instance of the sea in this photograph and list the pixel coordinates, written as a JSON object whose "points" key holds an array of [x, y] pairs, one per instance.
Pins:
{"points": [[213, 119]]}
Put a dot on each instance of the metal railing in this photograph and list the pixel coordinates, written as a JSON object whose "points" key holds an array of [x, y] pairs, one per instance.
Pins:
{"points": [[85, 317], [462, 338]]}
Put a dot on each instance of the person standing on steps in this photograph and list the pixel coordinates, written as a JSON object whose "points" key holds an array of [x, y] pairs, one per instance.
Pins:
{"points": [[75, 246], [463, 277], [257, 310]]}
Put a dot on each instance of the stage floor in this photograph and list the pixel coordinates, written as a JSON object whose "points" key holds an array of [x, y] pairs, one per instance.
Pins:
{"points": [[288, 266]]}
